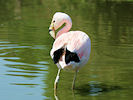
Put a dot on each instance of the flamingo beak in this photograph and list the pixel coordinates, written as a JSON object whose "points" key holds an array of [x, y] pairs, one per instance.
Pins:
{"points": [[52, 30]]}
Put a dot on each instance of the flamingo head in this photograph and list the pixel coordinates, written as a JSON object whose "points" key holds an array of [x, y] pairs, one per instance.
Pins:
{"points": [[58, 20]]}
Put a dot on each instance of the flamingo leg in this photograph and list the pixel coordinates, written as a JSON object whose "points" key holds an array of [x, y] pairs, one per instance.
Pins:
{"points": [[74, 79], [56, 81]]}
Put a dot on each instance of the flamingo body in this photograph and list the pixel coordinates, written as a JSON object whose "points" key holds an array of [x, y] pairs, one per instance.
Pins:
{"points": [[75, 41]]}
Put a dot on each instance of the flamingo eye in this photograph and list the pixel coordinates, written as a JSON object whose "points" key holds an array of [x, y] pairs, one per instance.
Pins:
{"points": [[54, 21]]}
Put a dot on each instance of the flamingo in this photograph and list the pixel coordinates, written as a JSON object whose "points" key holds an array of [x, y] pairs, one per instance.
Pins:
{"points": [[71, 49]]}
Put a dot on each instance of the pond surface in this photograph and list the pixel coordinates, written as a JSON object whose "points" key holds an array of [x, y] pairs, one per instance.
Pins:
{"points": [[26, 69]]}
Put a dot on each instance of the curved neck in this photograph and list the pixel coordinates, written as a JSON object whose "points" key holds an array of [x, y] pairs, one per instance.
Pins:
{"points": [[65, 29]]}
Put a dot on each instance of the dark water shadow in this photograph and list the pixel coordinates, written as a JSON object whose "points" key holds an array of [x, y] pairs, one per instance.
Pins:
{"points": [[92, 89], [95, 89]]}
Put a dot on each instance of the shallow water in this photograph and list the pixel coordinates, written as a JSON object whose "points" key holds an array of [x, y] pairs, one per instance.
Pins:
{"points": [[26, 69]]}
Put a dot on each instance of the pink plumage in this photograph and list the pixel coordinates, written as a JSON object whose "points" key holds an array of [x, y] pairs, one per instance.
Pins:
{"points": [[71, 49], [75, 41]]}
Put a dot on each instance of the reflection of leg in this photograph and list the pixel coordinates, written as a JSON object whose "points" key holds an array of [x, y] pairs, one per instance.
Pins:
{"points": [[56, 81], [74, 79], [56, 98]]}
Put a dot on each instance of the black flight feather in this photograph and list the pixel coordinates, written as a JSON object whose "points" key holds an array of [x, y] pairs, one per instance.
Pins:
{"points": [[57, 54], [71, 56]]}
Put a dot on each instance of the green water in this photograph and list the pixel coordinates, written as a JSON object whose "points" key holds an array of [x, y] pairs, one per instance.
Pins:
{"points": [[26, 69]]}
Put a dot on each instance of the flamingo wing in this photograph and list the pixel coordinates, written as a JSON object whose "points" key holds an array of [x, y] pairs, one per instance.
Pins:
{"points": [[77, 50]]}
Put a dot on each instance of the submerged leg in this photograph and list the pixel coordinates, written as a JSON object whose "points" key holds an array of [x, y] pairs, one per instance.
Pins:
{"points": [[56, 81], [74, 79]]}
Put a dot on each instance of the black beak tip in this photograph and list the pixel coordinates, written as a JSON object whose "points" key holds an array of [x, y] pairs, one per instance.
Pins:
{"points": [[50, 30]]}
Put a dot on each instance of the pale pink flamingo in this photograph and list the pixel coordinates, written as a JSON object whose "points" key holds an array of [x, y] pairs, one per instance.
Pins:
{"points": [[71, 50]]}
